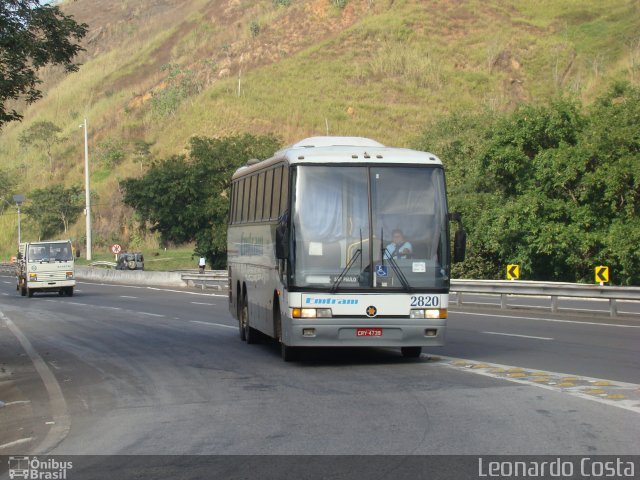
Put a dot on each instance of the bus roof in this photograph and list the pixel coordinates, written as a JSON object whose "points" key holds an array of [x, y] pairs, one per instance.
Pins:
{"points": [[338, 150]]}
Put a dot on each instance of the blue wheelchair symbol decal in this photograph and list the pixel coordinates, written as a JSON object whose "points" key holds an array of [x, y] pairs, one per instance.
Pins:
{"points": [[381, 270]]}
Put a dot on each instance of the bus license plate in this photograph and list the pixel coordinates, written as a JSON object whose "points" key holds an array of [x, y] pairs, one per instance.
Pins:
{"points": [[368, 332]]}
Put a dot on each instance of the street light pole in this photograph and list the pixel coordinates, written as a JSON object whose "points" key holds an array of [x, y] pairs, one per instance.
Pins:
{"points": [[18, 199], [87, 191]]}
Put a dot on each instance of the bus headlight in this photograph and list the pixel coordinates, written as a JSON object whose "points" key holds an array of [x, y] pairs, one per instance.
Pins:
{"points": [[311, 313], [428, 313], [69, 275]]}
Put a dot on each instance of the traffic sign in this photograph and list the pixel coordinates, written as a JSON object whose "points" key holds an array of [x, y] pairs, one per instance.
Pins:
{"points": [[116, 248], [513, 272], [602, 274]]}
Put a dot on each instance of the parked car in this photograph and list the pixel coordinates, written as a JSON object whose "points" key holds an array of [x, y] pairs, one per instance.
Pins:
{"points": [[130, 261]]}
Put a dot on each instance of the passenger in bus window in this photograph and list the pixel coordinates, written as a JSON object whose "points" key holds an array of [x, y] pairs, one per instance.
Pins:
{"points": [[399, 247]]}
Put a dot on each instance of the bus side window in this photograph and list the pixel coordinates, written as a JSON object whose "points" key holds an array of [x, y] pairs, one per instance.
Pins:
{"points": [[232, 203], [253, 185], [268, 194], [260, 198], [277, 192], [245, 199], [284, 192]]}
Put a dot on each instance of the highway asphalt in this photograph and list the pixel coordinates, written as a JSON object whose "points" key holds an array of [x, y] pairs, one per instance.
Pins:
{"points": [[138, 370]]}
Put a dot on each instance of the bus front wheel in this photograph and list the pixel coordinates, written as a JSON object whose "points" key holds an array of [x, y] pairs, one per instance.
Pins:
{"points": [[288, 353], [411, 352]]}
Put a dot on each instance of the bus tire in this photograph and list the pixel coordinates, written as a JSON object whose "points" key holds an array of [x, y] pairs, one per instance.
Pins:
{"points": [[250, 334], [288, 354], [411, 352], [242, 319]]}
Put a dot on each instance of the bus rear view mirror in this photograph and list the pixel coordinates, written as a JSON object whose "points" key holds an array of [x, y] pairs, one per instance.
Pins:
{"points": [[459, 245]]}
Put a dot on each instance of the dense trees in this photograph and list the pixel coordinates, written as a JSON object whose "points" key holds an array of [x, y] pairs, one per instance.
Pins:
{"points": [[553, 188], [54, 208], [32, 34], [185, 198]]}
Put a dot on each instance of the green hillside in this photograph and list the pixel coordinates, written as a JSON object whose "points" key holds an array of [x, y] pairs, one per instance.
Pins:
{"points": [[156, 73]]}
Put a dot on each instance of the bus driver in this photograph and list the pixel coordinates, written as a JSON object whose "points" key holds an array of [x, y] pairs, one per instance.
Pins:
{"points": [[399, 247]]}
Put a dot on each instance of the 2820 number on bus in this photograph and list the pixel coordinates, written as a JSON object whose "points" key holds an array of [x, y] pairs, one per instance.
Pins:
{"points": [[425, 301]]}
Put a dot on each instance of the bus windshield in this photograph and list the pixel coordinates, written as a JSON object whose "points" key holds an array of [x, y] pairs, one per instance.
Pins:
{"points": [[369, 227]]}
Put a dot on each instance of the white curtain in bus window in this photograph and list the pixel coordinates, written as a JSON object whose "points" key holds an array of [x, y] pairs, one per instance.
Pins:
{"points": [[331, 204]]}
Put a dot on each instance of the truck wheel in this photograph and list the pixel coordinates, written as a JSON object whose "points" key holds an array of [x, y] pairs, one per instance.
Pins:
{"points": [[61, 292], [23, 291], [70, 291], [29, 292]]}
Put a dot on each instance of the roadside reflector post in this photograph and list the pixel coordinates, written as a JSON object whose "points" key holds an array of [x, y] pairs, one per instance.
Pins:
{"points": [[554, 304]]}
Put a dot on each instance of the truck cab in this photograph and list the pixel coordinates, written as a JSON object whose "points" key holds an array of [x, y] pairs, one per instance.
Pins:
{"points": [[45, 267]]}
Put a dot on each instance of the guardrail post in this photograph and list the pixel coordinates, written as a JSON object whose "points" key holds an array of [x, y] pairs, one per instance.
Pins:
{"points": [[613, 307], [503, 301], [554, 304]]}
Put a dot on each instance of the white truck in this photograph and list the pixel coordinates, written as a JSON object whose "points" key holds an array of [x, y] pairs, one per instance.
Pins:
{"points": [[46, 267]]}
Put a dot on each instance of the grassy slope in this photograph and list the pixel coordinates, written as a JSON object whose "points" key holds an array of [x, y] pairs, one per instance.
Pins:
{"points": [[383, 72]]}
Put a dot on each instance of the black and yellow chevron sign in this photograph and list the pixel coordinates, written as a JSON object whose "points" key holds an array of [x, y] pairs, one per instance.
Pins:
{"points": [[513, 272], [602, 274]]}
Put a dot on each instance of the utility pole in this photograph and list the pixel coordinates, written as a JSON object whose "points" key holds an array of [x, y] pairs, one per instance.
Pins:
{"points": [[19, 200], [87, 208]]}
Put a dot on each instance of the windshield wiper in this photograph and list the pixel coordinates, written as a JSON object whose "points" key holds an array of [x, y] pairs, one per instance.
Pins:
{"points": [[383, 251], [336, 284]]}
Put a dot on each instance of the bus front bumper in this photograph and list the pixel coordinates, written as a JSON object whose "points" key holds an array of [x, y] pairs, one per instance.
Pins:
{"points": [[346, 332]]}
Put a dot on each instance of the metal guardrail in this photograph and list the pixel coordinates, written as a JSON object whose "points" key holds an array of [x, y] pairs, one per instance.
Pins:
{"points": [[554, 290], [7, 267], [217, 279], [103, 263]]}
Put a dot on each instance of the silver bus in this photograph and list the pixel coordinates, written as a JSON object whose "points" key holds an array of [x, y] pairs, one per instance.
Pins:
{"points": [[341, 241]]}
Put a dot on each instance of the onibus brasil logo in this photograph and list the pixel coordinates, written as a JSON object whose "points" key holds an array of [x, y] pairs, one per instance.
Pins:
{"points": [[34, 469]]}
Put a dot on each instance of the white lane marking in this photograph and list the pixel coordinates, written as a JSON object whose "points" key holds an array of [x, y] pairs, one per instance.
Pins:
{"points": [[4, 281], [5, 294], [189, 293], [500, 372], [213, 324], [150, 314], [17, 402], [57, 403], [516, 335], [126, 296], [537, 319], [108, 308], [203, 303], [155, 288], [78, 303], [17, 442]]}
